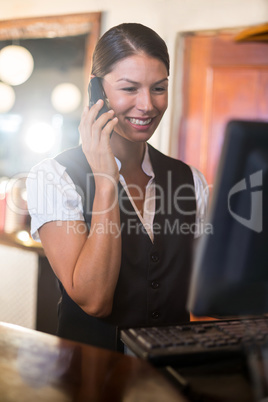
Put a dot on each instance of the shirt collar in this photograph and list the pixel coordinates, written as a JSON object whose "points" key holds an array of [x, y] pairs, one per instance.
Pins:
{"points": [[146, 163]]}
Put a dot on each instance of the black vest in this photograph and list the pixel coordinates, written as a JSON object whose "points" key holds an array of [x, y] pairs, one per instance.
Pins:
{"points": [[154, 277]]}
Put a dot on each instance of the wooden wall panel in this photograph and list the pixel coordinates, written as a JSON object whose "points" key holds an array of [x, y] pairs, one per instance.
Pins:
{"points": [[222, 80], [235, 94]]}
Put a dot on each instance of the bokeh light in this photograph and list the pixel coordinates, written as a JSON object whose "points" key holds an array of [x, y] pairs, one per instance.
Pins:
{"points": [[40, 137]]}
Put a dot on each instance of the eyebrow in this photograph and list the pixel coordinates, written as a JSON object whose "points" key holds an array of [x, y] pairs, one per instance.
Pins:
{"points": [[137, 83]]}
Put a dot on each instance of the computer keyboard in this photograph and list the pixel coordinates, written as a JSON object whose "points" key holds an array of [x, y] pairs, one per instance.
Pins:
{"points": [[196, 341]]}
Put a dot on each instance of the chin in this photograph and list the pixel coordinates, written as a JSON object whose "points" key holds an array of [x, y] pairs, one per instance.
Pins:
{"points": [[139, 137], [134, 137]]}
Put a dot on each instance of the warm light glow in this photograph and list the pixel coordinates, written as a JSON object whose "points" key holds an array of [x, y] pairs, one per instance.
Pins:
{"points": [[16, 64], [7, 97], [40, 137], [23, 236], [66, 97], [24, 194]]}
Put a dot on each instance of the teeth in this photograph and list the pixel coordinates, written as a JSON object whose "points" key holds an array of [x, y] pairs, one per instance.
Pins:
{"points": [[140, 122]]}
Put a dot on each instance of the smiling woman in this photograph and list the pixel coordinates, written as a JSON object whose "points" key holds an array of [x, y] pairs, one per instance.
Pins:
{"points": [[139, 99], [104, 210]]}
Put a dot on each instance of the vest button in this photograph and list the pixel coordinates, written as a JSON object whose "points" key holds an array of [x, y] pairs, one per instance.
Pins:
{"points": [[155, 315], [155, 257], [155, 284]]}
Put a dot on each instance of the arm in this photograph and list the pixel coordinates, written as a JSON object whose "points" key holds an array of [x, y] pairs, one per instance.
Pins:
{"points": [[88, 264]]}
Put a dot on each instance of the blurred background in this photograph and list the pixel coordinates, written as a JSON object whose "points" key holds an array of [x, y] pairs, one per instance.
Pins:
{"points": [[219, 71], [46, 110]]}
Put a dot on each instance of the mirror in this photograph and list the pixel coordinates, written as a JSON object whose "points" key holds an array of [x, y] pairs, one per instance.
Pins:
{"points": [[61, 48], [37, 126]]}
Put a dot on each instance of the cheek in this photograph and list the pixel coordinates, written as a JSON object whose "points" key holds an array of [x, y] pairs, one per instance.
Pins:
{"points": [[117, 104], [165, 102], [121, 105], [164, 105]]}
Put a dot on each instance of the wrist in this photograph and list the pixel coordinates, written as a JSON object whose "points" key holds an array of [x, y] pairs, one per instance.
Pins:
{"points": [[106, 193], [106, 183]]}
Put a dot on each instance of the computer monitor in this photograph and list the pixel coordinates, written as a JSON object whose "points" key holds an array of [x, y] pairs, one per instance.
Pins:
{"points": [[230, 269]]}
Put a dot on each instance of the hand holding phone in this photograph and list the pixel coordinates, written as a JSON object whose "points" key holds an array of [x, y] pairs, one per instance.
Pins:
{"points": [[95, 132]]}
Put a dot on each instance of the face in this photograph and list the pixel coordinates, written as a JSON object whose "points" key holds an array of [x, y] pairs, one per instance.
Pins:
{"points": [[137, 90]]}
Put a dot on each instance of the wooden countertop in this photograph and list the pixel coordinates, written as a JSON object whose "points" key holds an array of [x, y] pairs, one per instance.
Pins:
{"points": [[12, 240], [35, 366]]}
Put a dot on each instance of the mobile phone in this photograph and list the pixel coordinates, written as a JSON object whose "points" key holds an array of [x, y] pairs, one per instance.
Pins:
{"points": [[96, 92]]}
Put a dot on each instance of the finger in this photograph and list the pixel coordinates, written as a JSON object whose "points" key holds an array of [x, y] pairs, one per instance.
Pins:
{"points": [[108, 129], [85, 111], [94, 110], [100, 124], [88, 118], [104, 118], [89, 114], [85, 117]]}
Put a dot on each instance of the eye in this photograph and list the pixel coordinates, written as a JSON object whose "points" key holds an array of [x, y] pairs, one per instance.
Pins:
{"points": [[129, 89], [159, 89]]}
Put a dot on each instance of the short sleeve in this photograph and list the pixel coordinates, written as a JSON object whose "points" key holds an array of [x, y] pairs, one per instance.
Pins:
{"points": [[51, 196], [202, 200]]}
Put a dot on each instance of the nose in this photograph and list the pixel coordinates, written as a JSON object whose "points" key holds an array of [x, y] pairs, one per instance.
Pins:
{"points": [[144, 101]]}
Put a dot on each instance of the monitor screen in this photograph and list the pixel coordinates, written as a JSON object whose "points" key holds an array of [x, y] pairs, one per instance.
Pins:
{"points": [[230, 270]]}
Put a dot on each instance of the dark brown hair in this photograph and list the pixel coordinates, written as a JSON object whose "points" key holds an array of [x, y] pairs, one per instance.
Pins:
{"points": [[126, 40]]}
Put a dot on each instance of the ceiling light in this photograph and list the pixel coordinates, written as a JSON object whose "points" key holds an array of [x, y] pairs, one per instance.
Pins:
{"points": [[16, 64], [7, 97], [66, 97]]}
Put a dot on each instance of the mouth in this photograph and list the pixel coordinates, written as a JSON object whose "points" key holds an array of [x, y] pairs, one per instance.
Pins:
{"points": [[140, 122]]}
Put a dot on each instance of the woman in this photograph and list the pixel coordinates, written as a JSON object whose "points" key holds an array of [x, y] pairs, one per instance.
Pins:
{"points": [[118, 217]]}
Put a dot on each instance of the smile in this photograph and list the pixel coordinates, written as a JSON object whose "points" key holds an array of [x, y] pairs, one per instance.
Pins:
{"points": [[139, 122]]}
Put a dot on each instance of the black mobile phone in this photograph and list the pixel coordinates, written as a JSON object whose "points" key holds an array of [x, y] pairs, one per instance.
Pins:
{"points": [[96, 92]]}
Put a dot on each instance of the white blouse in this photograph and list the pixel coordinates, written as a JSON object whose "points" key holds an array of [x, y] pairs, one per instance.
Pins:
{"points": [[52, 196]]}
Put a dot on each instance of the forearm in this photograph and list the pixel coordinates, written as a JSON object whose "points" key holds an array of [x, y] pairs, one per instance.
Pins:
{"points": [[97, 268]]}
